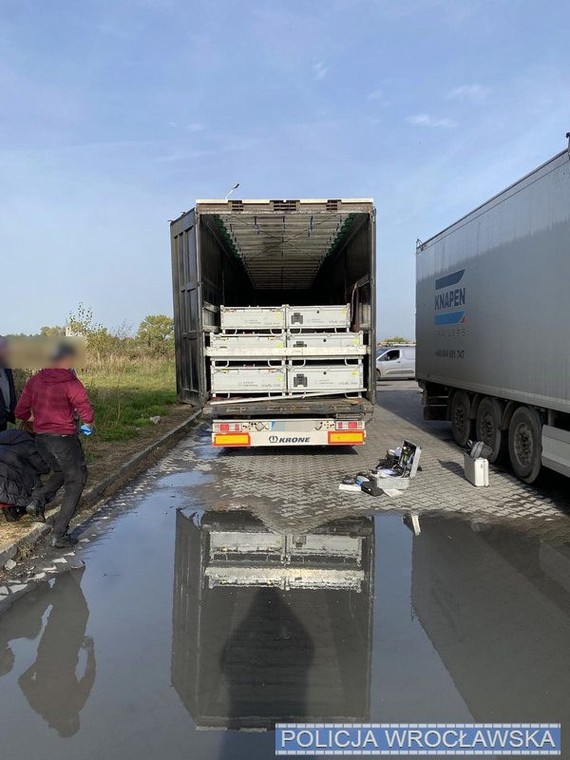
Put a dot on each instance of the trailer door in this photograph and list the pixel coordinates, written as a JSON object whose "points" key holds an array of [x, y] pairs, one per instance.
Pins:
{"points": [[188, 330]]}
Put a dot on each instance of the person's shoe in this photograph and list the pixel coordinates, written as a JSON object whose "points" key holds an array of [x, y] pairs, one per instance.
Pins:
{"points": [[12, 514], [63, 542], [36, 512]]}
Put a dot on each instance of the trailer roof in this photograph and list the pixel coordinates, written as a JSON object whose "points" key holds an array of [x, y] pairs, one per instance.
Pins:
{"points": [[282, 244], [544, 168], [227, 203]]}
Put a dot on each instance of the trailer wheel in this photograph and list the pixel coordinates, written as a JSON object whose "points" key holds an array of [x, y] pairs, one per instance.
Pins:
{"points": [[460, 416], [488, 426], [525, 443]]}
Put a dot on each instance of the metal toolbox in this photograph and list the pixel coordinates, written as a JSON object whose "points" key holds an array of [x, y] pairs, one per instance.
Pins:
{"points": [[325, 344], [250, 379], [318, 317], [476, 470], [246, 345], [333, 378], [252, 317]]}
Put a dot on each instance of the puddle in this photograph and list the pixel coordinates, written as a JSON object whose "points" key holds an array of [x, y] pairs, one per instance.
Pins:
{"points": [[188, 620], [185, 479]]}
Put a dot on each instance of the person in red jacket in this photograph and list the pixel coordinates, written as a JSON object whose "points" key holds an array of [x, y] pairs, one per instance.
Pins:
{"points": [[54, 398]]}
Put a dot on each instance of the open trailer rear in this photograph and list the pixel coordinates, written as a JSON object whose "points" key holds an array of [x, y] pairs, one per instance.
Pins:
{"points": [[274, 311]]}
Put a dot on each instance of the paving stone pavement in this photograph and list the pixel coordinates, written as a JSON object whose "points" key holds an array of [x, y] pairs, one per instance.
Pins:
{"points": [[298, 488]]}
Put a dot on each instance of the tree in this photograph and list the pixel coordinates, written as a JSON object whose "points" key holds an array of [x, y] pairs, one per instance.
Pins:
{"points": [[156, 334], [81, 322], [52, 332], [397, 339]]}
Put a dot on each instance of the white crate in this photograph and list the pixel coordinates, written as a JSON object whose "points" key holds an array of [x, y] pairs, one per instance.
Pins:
{"points": [[248, 345], [329, 378], [252, 317], [325, 344], [318, 317], [248, 379]]}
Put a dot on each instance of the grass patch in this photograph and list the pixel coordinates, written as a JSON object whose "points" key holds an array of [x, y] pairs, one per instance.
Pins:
{"points": [[126, 394]]}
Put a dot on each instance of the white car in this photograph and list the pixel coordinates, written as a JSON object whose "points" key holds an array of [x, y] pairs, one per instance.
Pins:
{"points": [[396, 363]]}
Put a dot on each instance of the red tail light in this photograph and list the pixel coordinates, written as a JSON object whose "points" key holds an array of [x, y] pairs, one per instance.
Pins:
{"points": [[349, 425]]}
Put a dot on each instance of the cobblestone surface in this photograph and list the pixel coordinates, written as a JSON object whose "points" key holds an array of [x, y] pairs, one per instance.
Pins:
{"points": [[298, 488], [295, 490]]}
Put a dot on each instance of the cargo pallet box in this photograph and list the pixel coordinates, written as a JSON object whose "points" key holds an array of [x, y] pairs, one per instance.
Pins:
{"points": [[325, 344], [335, 317], [250, 345], [305, 345], [325, 377], [318, 317], [243, 356], [291, 378], [250, 379], [252, 317]]}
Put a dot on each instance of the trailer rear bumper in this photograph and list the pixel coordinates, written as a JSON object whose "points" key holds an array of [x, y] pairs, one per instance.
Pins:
{"points": [[288, 432]]}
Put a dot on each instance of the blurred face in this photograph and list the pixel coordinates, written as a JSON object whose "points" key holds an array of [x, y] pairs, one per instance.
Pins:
{"points": [[65, 363], [65, 358], [4, 353]]}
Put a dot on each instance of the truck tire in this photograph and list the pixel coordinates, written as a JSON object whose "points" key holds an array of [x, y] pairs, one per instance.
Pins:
{"points": [[460, 416], [525, 443], [488, 426]]}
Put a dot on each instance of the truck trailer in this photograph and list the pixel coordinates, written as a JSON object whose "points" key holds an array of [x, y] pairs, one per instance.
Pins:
{"points": [[274, 315], [492, 315], [503, 635], [297, 610]]}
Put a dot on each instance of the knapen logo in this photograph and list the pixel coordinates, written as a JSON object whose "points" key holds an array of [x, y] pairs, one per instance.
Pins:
{"points": [[450, 294]]}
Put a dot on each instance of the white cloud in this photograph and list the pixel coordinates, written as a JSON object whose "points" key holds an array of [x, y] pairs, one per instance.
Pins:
{"points": [[425, 120], [195, 126], [468, 92], [320, 70]]}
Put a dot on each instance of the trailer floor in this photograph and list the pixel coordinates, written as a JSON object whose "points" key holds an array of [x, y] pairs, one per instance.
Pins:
{"points": [[298, 487]]}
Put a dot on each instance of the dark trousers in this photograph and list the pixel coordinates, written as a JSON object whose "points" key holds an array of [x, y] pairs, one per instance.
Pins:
{"points": [[64, 454]]}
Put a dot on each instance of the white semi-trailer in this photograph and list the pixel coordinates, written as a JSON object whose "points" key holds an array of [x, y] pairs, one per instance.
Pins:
{"points": [[274, 314], [492, 321]]}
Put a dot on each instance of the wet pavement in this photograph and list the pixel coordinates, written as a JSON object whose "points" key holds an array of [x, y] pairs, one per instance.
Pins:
{"points": [[188, 632]]}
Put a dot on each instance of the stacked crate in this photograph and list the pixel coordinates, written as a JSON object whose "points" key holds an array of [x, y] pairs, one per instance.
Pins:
{"points": [[248, 355], [286, 351], [323, 356]]}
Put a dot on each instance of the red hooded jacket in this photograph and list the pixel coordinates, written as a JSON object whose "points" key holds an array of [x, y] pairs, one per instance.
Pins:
{"points": [[54, 397]]}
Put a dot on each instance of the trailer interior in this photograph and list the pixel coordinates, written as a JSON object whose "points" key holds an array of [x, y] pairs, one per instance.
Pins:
{"points": [[269, 253]]}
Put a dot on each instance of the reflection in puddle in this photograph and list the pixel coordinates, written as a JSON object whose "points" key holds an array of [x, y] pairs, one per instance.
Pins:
{"points": [[496, 607], [51, 685], [358, 620], [271, 627]]}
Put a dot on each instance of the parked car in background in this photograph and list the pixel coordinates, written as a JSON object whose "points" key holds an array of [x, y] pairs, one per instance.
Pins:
{"points": [[396, 362]]}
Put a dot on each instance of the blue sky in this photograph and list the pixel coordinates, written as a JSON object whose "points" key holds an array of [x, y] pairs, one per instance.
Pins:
{"points": [[117, 114]]}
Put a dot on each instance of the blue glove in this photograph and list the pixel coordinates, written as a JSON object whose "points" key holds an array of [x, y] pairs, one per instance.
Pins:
{"points": [[86, 429]]}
